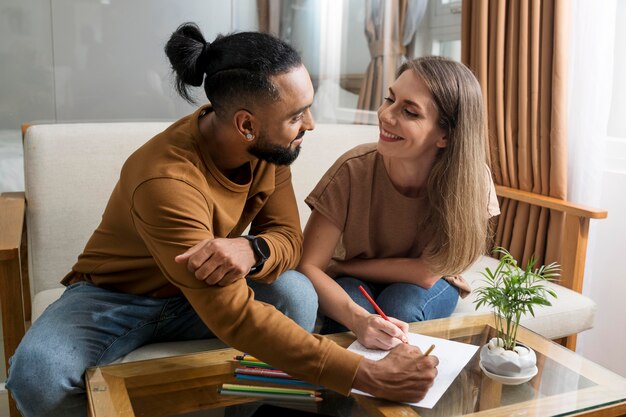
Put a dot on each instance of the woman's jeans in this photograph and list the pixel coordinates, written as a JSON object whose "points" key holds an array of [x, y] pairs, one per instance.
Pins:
{"points": [[91, 326], [406, 302]]}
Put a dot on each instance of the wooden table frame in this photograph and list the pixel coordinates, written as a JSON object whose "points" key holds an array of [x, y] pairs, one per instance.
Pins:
{"points": [[180, 384]]}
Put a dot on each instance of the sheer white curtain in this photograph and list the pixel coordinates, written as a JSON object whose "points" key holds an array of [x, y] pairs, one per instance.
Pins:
{"points": [[590, 86], [590, 81], [327, 96]]}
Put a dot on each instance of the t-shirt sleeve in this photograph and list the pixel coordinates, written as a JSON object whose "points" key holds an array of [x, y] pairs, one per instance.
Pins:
{"points": [[170, 216], [331, 195]]}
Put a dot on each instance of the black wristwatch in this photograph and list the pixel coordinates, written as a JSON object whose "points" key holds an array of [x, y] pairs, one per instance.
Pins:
{"points": [[261, 252]]}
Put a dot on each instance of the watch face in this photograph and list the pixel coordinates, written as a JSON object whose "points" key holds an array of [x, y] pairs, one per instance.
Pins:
{"points": [[262, 247]]}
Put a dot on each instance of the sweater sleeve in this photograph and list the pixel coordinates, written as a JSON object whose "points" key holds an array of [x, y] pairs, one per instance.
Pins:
{"points": [[278, 223], [170, 216]]}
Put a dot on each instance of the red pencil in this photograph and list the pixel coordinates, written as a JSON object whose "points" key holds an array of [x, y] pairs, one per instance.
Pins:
{"points": [[373, 303]]}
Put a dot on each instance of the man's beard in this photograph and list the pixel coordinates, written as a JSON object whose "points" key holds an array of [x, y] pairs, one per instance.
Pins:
{"points": [[272, 153]]}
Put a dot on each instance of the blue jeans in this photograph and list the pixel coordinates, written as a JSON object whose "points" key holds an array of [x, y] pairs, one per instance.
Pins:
{"points": [[91, 326], [406, 302]]}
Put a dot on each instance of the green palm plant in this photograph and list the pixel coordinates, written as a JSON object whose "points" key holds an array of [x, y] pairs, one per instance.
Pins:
{"points": [[512, 292]]}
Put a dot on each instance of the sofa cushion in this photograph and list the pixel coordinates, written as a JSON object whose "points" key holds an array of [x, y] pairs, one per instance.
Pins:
{"points": [[70, 171], [43, 299], [569, 314], [72, 168], [165, 349]]}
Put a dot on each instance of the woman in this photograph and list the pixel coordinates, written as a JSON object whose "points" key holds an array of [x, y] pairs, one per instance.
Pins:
{"points": [[406, 214]]}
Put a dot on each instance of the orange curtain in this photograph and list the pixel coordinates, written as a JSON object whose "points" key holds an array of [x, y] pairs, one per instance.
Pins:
{"points": [[384, 28], [517, 50]]}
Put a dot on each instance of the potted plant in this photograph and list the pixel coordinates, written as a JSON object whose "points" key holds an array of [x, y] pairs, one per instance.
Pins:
{"points": [[512, 292]]}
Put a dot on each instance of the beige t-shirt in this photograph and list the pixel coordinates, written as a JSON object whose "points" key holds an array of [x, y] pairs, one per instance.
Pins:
{"points": [[377, 221]]}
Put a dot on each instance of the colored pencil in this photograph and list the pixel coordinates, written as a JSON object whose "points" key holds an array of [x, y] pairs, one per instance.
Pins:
{"points": [[256, 364], [246, 357], [272, 373], [430, 349], [271, 396], [274, 390], [373, 303], [274, 380]]}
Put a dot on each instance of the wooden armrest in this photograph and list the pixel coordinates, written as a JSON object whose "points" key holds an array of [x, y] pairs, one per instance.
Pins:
{"points": [[14, 287], [12, 206], [551, 203], [574, 240], [574, 243]]}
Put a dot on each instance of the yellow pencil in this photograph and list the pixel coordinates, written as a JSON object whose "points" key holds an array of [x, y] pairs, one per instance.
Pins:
{"points": [[430, 349]]}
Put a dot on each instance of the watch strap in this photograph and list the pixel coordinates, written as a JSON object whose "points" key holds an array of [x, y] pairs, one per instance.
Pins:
{"points": [[261, 252]]}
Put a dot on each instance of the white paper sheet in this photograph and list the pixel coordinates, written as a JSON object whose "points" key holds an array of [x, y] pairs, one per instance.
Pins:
{"points": [[453, 356]]}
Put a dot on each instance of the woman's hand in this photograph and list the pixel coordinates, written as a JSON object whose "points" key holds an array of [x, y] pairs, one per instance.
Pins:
{"points": [[374, 332]]}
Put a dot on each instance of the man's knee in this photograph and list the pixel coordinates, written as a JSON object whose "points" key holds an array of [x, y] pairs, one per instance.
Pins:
{"points": [[41, 378]]}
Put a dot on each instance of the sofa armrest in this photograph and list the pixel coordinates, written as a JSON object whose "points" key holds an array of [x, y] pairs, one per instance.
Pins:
{"points": [[539, 200], [12, 207], [574, 244], [14, 287]]}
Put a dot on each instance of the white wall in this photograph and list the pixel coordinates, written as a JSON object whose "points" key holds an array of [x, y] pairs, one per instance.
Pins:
{"points": [[606, 342]]}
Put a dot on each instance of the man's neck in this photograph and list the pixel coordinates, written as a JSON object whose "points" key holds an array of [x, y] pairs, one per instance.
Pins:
{"points": [[226, 150]]}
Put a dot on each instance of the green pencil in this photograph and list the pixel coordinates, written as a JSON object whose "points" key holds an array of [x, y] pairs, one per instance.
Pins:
{"points": [[274, 390], [254, 363], [271, 396]]}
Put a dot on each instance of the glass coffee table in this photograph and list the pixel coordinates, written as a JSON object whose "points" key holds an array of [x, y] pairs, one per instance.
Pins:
{"points": [[566, 385]]}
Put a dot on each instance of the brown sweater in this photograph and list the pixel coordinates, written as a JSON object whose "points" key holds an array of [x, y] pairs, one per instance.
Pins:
{"points": [[169, 197]]}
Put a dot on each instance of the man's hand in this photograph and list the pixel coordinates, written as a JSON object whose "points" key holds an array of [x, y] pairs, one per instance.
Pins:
{"points": [[374, 332], [219, 261], [403, 375]]}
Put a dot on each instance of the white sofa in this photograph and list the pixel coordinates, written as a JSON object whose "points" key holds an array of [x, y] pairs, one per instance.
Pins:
{"points": [[70, 170]]}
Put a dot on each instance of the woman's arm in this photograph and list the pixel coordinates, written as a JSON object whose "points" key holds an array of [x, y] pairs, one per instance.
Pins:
{"points": [[389, 270], [320, 239]]}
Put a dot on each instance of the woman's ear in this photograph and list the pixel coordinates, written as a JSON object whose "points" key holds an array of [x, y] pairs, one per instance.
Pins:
{"points": [[442, 142], [245, 123]]}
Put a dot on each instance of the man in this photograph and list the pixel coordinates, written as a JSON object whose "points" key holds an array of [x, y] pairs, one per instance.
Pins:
{"points": [[198, 185]]}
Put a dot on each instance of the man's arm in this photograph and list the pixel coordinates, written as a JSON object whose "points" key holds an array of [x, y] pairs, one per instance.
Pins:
{"points": [[222, 261], [171, 216], [278, 222]]}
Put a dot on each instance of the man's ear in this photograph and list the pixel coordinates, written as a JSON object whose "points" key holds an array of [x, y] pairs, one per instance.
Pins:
{"points": [[246, 124]]}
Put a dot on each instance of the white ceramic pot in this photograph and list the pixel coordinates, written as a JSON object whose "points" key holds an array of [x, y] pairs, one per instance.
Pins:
{"points": [[508, 366]]}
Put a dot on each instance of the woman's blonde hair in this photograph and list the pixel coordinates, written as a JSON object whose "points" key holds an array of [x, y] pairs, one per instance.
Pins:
{"points": [[458, 183]]}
